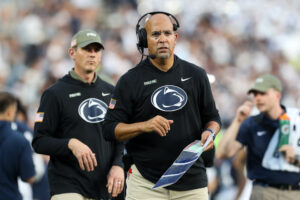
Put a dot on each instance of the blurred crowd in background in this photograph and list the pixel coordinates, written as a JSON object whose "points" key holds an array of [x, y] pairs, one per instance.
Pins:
{"points": [[233, 40]]}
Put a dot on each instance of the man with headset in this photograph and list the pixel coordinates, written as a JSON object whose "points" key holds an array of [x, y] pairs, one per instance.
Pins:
{"points": [[158, 108]]}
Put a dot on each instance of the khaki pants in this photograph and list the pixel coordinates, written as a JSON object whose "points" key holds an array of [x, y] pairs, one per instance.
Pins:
{"points": [[270, 193], [69, 196], [139, 188]]}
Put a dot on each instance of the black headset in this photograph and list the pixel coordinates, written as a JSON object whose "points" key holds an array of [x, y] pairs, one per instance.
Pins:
{"points": [[142, 34]]}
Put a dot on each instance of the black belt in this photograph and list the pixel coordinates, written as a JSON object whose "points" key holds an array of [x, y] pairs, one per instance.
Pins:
{"points": [[278, 186]]}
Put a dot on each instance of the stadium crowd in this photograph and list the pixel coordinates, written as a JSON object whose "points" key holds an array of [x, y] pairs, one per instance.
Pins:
{"points": [[235, 41]]}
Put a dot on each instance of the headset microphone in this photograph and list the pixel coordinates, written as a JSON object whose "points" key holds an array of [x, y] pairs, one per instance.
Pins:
{"points": [[152, 56]]}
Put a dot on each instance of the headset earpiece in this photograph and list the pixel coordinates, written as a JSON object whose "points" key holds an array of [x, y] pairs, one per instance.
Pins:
{"points": [[142, 38], [175, 27]]}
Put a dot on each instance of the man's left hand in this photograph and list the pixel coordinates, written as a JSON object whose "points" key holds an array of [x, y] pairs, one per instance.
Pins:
{"points": [[115, 180], [289, 153], [204, 137]]}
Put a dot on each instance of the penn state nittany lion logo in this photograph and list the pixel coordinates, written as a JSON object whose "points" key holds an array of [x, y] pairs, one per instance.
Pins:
{"points": [[169, 98], [92, 110]]}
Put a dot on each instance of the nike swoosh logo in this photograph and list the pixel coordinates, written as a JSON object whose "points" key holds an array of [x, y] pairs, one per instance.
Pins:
{"points": [[261, 133], [105, 94], [185, 79]]}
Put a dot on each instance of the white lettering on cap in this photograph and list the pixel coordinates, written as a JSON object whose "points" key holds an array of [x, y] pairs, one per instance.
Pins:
{"points": [[91, 34], [260, 80]]}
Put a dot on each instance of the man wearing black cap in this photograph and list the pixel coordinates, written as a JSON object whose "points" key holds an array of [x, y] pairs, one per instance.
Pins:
{"points": [[68, 127], [273, 167]]}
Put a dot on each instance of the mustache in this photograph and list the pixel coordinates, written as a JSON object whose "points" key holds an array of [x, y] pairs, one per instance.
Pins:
{"points": [[163, 46]]}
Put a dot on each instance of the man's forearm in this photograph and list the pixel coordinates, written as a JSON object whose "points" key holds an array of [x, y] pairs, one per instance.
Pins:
{"points": [[118, 154], [50, 145], [228, 145], [214, 126], [127, 131]]}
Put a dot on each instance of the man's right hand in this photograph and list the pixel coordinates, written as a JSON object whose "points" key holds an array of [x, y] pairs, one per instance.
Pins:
{"points": [[86, 158], [244, 111], [158, 124]]}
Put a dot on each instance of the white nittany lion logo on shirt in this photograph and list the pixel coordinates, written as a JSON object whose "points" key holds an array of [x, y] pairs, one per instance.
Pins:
{"points": [[169, 98], [92, 110]]}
